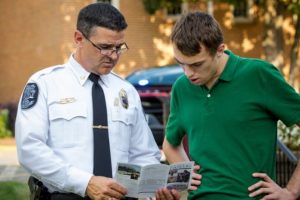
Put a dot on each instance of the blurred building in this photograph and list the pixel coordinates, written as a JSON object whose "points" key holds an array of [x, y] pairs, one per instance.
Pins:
{"points": [[38, 33]]}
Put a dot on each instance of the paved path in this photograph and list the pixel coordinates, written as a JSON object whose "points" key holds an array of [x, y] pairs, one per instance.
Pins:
{"points": [[10, 170]]}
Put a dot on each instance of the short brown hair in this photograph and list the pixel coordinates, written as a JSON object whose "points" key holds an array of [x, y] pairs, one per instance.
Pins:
{"points": [[100, 15], [196, 29]]}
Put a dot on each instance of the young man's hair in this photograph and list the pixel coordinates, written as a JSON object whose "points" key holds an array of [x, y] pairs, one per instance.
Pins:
{"points": [[195, 30], [100, 14]]}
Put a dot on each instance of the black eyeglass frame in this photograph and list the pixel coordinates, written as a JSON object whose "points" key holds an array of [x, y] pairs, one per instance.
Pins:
{"points": [[108, 52]]}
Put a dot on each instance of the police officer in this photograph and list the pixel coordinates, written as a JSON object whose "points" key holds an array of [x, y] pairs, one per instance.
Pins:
{"points": [[54, 125]]}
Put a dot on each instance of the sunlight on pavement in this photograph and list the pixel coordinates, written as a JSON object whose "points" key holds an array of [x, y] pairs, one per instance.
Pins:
{"points": [[8, 155]]}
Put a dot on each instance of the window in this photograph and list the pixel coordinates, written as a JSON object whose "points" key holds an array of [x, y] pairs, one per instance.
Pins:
{"points": [[104, 1], [174, 11], [242, 11], [115, 3]]}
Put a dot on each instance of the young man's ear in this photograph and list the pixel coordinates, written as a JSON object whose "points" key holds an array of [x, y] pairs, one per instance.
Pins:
{"points": [[220, 50]]}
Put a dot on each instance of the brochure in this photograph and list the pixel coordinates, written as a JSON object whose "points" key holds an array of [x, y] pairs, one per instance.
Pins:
{"points": [[143, 182]]}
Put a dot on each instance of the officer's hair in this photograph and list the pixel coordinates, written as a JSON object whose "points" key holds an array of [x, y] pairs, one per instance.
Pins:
{"points": [[194, 30], [100, 14]]}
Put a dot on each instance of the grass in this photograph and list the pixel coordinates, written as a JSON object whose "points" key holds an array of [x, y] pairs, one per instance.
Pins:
{"points": [[14, 191]]}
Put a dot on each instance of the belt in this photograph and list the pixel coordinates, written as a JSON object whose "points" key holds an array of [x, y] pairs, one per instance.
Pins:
{"points": [[72, 196], [66, 196]]}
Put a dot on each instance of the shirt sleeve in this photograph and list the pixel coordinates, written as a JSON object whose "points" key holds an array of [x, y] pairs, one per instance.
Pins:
{"points": [[174, 130], [32, 127], [143, 149], [281, 99]]}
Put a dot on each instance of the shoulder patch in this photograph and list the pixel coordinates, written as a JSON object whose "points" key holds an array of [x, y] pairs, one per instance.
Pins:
{"points": [[30, 96]]}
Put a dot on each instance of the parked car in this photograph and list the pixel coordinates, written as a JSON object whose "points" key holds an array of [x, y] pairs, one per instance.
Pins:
{"points": [[154, 85]]}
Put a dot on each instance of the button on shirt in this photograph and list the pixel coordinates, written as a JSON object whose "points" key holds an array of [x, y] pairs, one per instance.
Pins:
{"points": [[55, 136]]}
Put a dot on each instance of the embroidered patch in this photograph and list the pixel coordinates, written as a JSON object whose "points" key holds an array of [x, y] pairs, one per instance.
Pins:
{"points": [[30, 96], [124, 99]]}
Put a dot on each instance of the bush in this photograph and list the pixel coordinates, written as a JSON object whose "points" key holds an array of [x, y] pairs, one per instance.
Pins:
{"points": [[4, 131], [290, 136], [12, 113]]}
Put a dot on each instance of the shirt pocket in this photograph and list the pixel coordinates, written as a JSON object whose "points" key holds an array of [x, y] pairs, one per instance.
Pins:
{"points": [[68, 124], [122, 121]]}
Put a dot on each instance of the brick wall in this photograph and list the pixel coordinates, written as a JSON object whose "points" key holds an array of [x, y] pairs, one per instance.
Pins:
{"points": [[39, 33]]}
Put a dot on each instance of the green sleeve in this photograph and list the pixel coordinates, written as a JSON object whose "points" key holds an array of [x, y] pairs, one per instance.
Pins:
{"points": [[174, 130], [281, 98]]}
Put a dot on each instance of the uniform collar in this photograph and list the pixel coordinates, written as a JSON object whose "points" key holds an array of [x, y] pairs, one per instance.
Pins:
{"points": [[105, 79], [230, 67], [82, 75]]}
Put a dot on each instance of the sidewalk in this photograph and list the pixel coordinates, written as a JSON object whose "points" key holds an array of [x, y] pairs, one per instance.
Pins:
{"points": [[10, 170]]}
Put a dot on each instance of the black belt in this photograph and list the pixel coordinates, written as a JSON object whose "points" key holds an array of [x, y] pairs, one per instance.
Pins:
{"points": [[72, 196], [66, 196]]}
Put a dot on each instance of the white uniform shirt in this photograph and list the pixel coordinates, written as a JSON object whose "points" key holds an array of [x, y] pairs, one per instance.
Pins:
{"points": [[55, 136]]}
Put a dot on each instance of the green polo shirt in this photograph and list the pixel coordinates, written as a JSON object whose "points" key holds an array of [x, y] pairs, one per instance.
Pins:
{"points": [[232, 128]]}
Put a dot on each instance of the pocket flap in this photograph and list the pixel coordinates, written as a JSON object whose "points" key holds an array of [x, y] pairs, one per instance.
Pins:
{"points": [[67, 111]]}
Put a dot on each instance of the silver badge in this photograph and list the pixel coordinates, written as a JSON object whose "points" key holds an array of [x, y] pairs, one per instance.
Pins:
{"points": [[123, 98]]}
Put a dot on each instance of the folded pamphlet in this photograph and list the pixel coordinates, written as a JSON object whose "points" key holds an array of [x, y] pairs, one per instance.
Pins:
{"points": [[144, 181]]}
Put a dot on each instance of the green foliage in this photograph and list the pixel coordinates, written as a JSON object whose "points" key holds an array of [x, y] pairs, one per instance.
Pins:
{"points": [[4, 131], [290, 136], [13, 191], [151, 6], [293, 6]]}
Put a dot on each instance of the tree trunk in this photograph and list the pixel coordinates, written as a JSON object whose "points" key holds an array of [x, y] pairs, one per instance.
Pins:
{"points": [[273, 42], [294, 54]]}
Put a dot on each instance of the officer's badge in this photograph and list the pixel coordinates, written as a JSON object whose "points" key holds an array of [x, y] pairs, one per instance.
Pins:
{"points": [[123, 97], [30, 96]]}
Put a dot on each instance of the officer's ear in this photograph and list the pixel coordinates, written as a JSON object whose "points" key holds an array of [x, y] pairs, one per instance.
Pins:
{"points": [[78, 38]]}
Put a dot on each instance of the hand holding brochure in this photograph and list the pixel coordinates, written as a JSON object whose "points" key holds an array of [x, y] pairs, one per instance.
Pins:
{"points": [[144, 181]]}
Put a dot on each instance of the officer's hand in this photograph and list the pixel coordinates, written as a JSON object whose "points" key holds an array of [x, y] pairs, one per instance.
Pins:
{"points": [[269, 188], [196, 178], [165, 194], [100, 187]]}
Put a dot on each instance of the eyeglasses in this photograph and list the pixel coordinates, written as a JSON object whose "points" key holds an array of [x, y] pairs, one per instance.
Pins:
{"points": [[108, 49]]}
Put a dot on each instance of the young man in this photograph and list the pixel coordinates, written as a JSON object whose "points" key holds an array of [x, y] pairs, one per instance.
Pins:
{"points": [[57, 131], [228, 107]]}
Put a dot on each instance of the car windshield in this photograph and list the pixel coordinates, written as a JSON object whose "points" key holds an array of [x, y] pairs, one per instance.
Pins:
{"points": [[156, 76]]}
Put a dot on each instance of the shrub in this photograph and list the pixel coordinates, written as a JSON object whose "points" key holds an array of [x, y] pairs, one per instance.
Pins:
{"points": [[4, 131], [290, 136], [12, 113]]}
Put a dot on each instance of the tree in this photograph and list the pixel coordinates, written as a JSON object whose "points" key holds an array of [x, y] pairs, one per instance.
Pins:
{"points": [[294, 7], [273, 14]]}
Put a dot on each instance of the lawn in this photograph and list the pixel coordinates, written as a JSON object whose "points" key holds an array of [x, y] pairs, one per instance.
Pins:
{"points": [[14, 191]]}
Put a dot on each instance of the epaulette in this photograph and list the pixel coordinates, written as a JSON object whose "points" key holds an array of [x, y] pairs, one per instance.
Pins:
{"points": [[113, 73], [118, 76], [45, 71]]}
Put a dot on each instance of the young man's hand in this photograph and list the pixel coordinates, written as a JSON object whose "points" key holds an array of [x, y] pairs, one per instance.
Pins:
{"points": [[266, 186], [196, 178], [165, 194]]}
